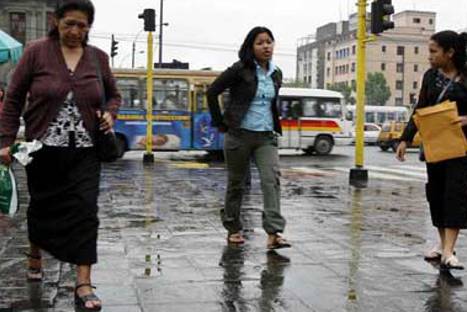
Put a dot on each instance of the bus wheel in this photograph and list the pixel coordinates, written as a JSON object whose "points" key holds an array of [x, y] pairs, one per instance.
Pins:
{"points": [[323, 145], [121, 143], [384, 148]]}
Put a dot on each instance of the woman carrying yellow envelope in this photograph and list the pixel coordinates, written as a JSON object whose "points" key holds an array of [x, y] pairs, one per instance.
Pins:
{"points": [[441, 114]]}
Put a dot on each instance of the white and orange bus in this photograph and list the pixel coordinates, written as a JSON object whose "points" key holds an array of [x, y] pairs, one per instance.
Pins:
{"points": [[313, 120]]}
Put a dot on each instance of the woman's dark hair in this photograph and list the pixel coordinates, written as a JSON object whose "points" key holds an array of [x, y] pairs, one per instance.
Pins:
{"points": [[64, 6], [246, 53], [449, 39]]}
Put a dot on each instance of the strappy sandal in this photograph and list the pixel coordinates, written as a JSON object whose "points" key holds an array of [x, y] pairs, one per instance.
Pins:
{"points": [[34, 274], [80, 301], [434, 254], [451, 263], [235, 238], [279, 242]]}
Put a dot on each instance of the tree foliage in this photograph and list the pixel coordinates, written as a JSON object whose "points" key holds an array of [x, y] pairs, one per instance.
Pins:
{"points": [[345, 90], [377, 91]]}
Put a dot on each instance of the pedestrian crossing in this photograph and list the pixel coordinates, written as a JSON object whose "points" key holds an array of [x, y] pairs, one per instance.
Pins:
{"points": [[395, 173]]}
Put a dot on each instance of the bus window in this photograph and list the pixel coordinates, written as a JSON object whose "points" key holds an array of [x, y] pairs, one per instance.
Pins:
{"points": [[402, 116], [129, 90], [311, 108], [392, 116], [171, 94], [349, 115], [370, 117], [291, 108], [380, 117], [331, 108]]}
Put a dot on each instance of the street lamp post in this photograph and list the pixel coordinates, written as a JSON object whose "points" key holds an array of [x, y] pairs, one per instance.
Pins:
{"points": [[133, 49], [161, 26]]}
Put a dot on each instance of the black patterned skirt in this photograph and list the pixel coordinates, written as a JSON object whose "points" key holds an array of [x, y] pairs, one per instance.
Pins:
{"points": [[63, 185], [446, 193]]}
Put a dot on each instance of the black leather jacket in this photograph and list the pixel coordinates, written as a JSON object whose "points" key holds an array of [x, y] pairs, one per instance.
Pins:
{"points": [[428, 96], [242, 84]]}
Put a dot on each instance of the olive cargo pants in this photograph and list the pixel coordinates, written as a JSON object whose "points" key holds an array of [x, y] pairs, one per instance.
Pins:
{"points": [[239, 146]]}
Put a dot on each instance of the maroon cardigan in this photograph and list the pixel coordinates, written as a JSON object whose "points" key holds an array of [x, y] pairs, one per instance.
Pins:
{"points": [[42, 76]]}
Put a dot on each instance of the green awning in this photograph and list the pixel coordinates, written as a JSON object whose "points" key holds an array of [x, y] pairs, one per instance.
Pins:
{"points": [[10, 49]]}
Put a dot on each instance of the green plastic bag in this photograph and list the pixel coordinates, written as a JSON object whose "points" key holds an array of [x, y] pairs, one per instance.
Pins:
{"points": [[8, 191]]}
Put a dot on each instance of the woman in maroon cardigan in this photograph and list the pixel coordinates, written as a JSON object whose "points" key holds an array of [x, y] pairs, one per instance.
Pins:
{"points": [[58, 76]]}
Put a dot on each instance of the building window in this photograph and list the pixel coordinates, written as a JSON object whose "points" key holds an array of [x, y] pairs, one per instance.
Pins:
{"points": [[400, 68], [353, 67], [18, 26], [383, 66], [328, 72], [416, 20], [329, 56], [399, 102], [347, 68], [383, 49], [415, 84], [430, 21], [415, 68], [354, 49], [354, 84], [50, 21], [415, 50], [400, 50], [337, 70], [399, 85]]}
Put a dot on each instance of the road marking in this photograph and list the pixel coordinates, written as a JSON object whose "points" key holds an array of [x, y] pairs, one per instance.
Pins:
{"points": [[397, 171], [189, 165], [312, 171], [414, 168], [384, 176]]}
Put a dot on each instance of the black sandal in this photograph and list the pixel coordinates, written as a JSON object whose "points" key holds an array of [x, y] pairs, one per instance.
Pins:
{"points": [[34, 274], [80, 301]]}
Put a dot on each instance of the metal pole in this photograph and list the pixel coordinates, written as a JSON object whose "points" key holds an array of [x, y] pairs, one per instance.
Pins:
{"points": [[161, 26], [358, 175], [133, 55], [149, 156]]}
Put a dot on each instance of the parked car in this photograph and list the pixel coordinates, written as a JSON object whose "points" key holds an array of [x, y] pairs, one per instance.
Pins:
{"points": [[370, 133], [389, 136]]}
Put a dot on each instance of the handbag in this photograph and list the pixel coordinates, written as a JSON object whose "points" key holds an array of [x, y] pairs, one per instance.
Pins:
{"points": [[106, 144], [421, 150], [441, 132]]}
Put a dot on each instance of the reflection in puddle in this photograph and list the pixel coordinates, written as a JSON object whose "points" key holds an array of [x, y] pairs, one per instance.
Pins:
{"points": [[444, 296]]}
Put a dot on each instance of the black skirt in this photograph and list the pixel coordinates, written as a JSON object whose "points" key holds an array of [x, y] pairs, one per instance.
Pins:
{"points": [[446, 193], [63, 185]]}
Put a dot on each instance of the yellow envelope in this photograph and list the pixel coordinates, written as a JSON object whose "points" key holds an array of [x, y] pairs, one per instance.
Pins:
{"points": [[441, 133]]}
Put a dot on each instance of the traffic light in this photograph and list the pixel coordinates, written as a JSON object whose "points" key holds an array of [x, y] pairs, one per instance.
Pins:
{"points": [[381, 11], [113, 47], [149, 17]]}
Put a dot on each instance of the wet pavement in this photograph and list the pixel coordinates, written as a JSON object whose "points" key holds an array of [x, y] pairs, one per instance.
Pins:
{"points": [[162, 247]]}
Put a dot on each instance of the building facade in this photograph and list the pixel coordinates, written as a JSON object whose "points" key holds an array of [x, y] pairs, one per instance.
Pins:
{"points": [[400, 54], [25, 20]]}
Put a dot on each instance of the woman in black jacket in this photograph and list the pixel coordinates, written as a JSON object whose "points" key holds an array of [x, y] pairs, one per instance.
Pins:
{"points": [[446, 189], [251, 126]]}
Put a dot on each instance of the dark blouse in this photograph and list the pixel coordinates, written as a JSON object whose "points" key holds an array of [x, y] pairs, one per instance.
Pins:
{"points": [[42, 76], [432, 86]]}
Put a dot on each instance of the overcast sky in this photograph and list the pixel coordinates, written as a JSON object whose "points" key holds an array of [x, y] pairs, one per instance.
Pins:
{"points": [[208, 33]]}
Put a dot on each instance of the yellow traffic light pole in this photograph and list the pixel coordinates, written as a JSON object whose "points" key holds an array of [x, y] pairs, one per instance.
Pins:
{"points": [[149, 156], [358, 175]]}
